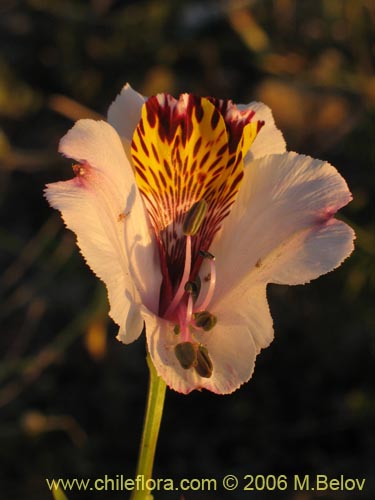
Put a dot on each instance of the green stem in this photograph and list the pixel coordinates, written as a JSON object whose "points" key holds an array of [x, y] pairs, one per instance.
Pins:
{"points": [[151, 426]]}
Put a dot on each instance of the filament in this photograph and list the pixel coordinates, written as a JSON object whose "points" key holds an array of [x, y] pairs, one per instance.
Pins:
{"points": [[185, 277], [211, 288]]}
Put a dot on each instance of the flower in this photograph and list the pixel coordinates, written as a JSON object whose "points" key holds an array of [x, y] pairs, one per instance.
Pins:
{"points": [[186, 209]]}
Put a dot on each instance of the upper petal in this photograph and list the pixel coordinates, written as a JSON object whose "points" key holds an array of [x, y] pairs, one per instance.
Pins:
{"points": [[270, 140], [311, 253], [285, 203], [103, 207], [125, 112]]}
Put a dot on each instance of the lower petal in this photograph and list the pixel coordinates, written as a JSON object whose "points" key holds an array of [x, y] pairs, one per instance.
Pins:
{"points": [[232, 345]]}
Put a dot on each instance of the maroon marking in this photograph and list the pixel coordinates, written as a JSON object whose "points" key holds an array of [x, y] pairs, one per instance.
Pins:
{"points": [[236, 181], [184, 166], [231, 160], [197, 146], [193, 166], [138, 164], [202, 177], [190, 183], [260, 125], [162, 178], [198, 108], [222, 150], [155, 153], [204, 159], [144, 147], [214, 163], [151, 116], [184, 133], [183, 193], [167, 169], [215, 119], [141, 174], [177, 157], [218, 170]]}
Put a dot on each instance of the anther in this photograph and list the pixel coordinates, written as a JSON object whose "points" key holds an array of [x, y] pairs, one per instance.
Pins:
{"points": [[193, 287], [176, 329], [204, 365], [206, 255], [194, 218], [186, 353], [205, 320]]}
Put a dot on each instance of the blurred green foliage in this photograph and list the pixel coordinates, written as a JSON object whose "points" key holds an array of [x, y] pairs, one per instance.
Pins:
{"points": [[71, 396]]}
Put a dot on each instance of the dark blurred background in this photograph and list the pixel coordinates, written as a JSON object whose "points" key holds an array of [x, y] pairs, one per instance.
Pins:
{"points": [[71, 396]]}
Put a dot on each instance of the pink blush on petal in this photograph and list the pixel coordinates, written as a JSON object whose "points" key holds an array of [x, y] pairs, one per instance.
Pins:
{"points": [[82, 171]]}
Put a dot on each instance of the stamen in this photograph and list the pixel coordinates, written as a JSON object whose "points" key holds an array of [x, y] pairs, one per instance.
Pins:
{"points": [[205, 320], [185, 277], [211, 286], [193, 287], [206, 255], [194, 218], [189, 310], [203, 365], [186, 354]]}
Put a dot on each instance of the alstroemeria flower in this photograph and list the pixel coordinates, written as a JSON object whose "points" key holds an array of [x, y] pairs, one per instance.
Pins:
{"points": [[186, 208]]}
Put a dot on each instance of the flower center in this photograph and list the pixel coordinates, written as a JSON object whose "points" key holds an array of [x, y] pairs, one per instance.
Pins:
{"points": [[188, 162]]}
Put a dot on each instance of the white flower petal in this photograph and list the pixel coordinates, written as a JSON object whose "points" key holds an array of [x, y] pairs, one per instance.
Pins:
{"points": [[161, 341], [232, 350], [269, 140], [103, 207], [311, 253], [281, 196], [232, 344], [125, 112]]}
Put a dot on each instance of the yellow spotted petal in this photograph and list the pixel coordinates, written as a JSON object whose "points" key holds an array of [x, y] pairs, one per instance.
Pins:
{"points": [[185, 151]]}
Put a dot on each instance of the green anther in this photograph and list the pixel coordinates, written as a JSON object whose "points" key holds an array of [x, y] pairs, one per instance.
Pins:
{"points": [[176, 329], [194, 218], [205, 320], [204, 365], [193, 288], [206, 255], [186, 354], [189, 287]]}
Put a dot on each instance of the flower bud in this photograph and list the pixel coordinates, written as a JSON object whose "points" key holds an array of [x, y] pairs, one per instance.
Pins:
{"points": [[194, 218], [204, 365], [205, 320], [186, 354]]}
